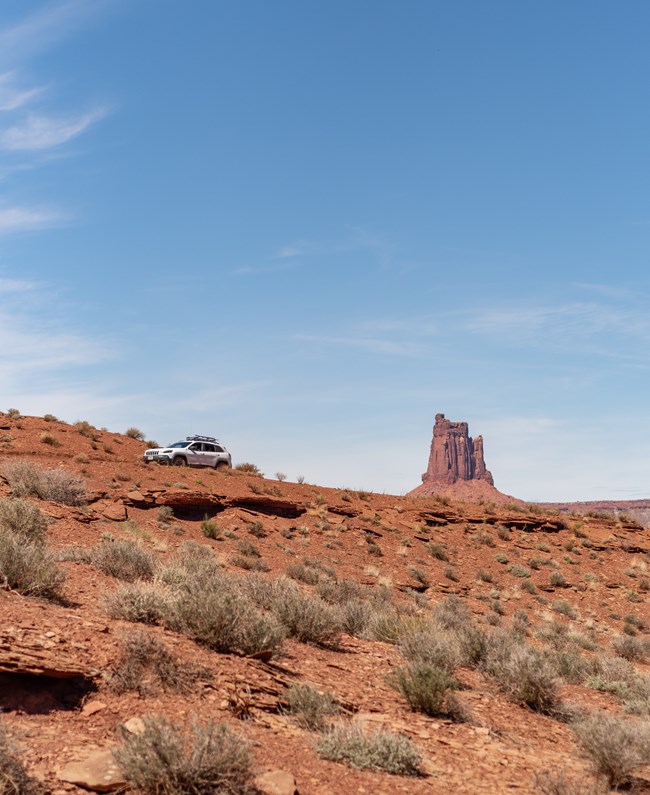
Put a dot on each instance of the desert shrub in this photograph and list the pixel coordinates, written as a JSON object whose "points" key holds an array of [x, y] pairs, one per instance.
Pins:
{"points": [[432, 646], [164, 760], [86, 429], [557, 782], [519, 571], [616, 747], [304, 573], [165, 515], [223, 618], [558, 579], [58, 485], [522, 672], [565, 609], [311, 707], [135, 433], [248, 549], [355, 617], [257, 529], [634, 649], [437, 551], [473, 644], [485, 576], [13, 413], [14, 779], [636, 697], [375, 750], [146, 664], [250, 564], [611, 674], [340, 591], [306, 617], [452, 613], [49, 439], [249, 469], [144, 603], [210, 529], [23, 518], [29, 567], [123, 559], [50, 418], [427, 689], [386, 626]]}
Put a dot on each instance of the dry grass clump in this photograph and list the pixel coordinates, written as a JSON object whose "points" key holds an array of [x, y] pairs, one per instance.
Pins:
{"points": [[249, 469], [135, 433], [303, 572], [29, 568], [22, 518], [632, 648], [557, 782], [14, 779], [428, 689], [307, 617], [48, 438], [616, 747], [374, 750], [164, 760], [123, 559], [224, 618], [524, 673], [58, 485], [432, 646], [146, 665], [140, 602], [311, 707]]}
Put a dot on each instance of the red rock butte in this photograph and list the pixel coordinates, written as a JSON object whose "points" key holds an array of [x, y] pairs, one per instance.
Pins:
{"points": [[457, 465]]}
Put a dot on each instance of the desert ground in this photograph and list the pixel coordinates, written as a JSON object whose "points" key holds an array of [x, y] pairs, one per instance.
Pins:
{"points": [[495, 647]]}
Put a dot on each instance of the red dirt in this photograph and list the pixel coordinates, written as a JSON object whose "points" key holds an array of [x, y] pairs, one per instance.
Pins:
{"points": [[500, 750]]}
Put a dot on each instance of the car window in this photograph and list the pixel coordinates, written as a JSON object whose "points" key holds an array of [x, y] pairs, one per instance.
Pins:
{"points": [[219, 449], [194, 447], [209, 448]]}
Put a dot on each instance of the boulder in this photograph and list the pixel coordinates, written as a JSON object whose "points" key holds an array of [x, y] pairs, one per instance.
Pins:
{"points": [[276, 782]]}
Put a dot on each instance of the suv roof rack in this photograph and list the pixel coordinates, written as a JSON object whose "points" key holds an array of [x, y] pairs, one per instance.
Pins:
{"points": [[197, 438]]}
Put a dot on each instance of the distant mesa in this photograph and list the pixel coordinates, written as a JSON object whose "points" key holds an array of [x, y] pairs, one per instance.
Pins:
{"points": [[457, 464]]}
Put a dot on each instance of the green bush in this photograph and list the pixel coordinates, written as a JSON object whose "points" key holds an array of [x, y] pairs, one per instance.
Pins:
{"points": [[164, 760], [376, 750]]}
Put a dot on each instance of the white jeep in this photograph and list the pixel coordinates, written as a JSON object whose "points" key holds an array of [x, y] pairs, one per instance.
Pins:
{"points": [[195, 451]]}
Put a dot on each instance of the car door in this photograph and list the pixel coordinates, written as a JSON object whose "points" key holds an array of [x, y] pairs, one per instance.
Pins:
{"points": [[209, 454], [194, 454]]}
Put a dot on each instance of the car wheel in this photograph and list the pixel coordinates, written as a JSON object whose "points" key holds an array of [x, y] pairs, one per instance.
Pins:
{"points": [[221, 465], [179, 461]]}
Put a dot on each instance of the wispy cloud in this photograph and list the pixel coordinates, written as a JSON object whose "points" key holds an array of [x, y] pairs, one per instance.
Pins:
{"points": [[293, 250], [45, 27], [12, 97], [373, 345], [8, 286], [45, 132], [23, 219]]}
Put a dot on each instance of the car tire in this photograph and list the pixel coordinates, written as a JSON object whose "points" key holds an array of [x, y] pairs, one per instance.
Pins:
{"points": [[221, 465], [179, 461]]}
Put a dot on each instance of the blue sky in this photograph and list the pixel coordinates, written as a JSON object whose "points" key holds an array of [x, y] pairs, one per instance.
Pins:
{"points": [[309, 227]]}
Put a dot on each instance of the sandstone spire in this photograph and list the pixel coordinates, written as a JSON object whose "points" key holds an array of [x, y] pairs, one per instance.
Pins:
{"points": [[455, 455]]}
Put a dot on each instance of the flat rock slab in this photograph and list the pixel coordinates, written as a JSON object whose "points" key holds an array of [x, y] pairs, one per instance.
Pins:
{"points": [[276, 782], [98, 771]]}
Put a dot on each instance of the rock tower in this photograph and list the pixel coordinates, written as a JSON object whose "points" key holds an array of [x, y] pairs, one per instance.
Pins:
{"points": [[455, 455]]}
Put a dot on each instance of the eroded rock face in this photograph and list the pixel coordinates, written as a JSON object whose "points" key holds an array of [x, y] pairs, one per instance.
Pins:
{"points": [[455, 455]]}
